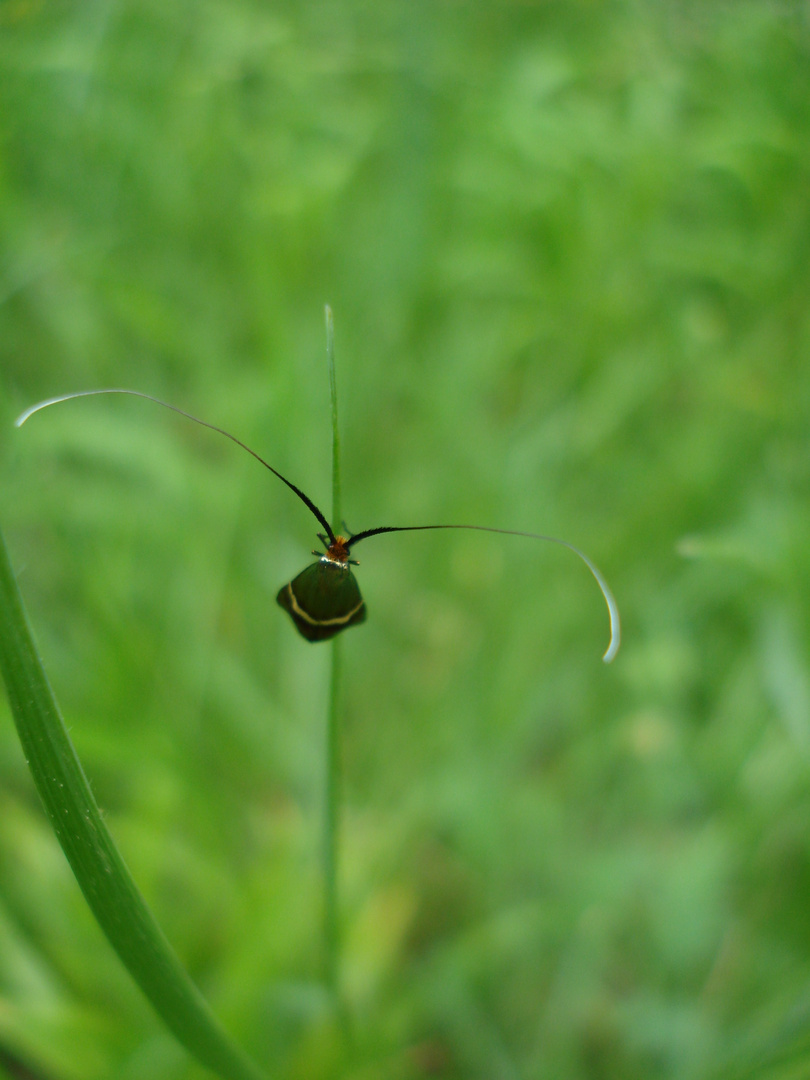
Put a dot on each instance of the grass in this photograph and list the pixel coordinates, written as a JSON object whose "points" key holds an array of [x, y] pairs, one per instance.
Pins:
{"points": [[567, 249], [100, 871], [334, 763]]}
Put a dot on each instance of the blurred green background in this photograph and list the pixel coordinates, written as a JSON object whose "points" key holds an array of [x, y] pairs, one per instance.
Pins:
{"points": [[568, 250]]}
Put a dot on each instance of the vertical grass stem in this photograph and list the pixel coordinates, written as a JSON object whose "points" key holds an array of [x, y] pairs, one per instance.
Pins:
{"points": [[331, 831], [331, 840], [330, 363]]}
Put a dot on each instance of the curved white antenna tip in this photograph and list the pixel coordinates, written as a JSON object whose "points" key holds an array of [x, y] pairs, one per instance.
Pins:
{"points": [[65, 397], [28, 412], [607, 595], [615, 642], [613, 614]]}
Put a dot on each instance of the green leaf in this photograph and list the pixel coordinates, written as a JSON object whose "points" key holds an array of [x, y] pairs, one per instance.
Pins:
{"points": [[99, 868]]}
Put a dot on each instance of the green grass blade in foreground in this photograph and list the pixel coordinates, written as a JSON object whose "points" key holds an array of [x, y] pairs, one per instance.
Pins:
{"points": [[99, 868]]}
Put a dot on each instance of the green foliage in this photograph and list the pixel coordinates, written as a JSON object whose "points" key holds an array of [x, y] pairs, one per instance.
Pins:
{"points": [[567, 248], [100, 871]]}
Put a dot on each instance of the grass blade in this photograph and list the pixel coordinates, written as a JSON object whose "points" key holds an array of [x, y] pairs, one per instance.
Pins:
{"points": [[331, 832], [331, 838], [99, 868], [337, 511]]}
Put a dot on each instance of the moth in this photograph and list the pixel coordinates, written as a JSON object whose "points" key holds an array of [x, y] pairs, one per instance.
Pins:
{"points": [[325, 599]]}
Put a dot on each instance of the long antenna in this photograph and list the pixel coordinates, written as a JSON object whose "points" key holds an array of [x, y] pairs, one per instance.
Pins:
{"points": [[613, 609], [137, 393]]}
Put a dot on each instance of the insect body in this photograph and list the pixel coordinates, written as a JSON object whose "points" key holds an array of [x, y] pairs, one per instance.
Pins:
{"points": [[325, 597]]}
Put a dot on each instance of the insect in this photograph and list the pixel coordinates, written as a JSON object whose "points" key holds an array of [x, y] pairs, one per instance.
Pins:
{"points": [[324, 598]]}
